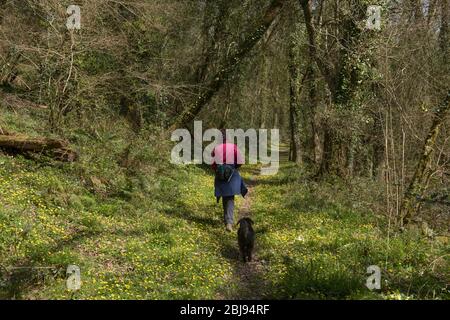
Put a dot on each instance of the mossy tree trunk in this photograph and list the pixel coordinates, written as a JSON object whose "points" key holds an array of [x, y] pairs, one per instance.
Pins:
{"points": [[229, 66], [295, 149], [342, 80], [411, 205]]}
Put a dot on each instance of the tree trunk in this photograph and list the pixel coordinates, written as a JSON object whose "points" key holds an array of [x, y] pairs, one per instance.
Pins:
{"points": [[337, 79], [327, 151], [328, 74], [443, 33], [213, 25], [410, 205], [295, 152], [325, 70], [376, 147], [310, 113], [228, 67]]}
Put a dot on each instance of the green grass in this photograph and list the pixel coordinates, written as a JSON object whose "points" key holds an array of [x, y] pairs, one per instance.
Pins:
{"points": [[152, 230], [317, 248], [162, 246], [147, 231]]}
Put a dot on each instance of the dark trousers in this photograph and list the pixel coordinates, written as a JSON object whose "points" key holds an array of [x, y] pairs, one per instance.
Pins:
{"points": [[228, 209]]}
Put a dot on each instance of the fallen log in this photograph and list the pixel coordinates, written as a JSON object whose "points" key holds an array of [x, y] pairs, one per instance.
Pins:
{"points": [[56, 148], [25, 143]]}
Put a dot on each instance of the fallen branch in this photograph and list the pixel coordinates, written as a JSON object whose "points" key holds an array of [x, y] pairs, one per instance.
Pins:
{"points": [[25, 143], [56, 148]]}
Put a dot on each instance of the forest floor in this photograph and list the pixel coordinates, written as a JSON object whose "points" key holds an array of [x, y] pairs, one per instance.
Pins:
{"points": [[157, 232]]}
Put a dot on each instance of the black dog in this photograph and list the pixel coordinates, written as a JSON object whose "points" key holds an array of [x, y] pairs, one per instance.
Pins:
{"points": [[246, 238]]}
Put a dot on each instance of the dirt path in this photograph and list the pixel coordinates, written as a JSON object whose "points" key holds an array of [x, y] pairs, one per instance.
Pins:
{"points": [[251, 282], [248, 277]]}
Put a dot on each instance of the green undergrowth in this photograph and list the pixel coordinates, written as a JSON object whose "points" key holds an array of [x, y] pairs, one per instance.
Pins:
{"points": [[141, 228], [146, 229], [314, 247], [161, 245]]}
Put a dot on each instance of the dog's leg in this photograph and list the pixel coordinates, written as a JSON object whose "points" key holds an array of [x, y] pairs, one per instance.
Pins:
{"points": [[249, 253], [242, 251]]}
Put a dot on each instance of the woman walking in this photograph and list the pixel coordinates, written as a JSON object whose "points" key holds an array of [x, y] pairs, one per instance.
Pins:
{"points": [[228, 182]]}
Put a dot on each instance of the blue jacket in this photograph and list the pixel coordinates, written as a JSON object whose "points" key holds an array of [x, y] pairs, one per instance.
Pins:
{"points": [[234, 187]]}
